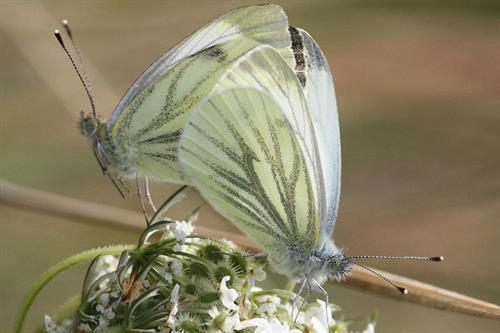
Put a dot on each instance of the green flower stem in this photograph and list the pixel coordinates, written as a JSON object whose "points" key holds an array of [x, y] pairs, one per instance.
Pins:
{"points": [[55, 270]]}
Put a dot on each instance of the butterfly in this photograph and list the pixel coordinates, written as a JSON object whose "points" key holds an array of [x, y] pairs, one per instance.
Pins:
{"points": [[140, 139], [264, 150]]}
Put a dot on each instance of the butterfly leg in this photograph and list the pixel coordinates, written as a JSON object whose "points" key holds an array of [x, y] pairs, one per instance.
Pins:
{"points": [[256, 255], [299, 292], [322, 290], [139, 193], [306, 299], [148, 194]]}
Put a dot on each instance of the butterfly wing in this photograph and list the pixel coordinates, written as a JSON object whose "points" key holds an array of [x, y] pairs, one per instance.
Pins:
{"points": [[321, 140], [263, 23], [320, 95], [242, 155], [148, 129], [246, 154]]}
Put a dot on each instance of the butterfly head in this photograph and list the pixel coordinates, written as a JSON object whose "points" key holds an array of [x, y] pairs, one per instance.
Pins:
{"points": [[338, 267], [90, 126], [96, 131]]}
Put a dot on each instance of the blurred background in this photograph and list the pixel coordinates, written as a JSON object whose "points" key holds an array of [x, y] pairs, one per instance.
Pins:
{"points": [[417, 84]]}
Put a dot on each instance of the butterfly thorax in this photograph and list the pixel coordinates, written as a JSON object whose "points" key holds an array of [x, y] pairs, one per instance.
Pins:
{"points": [[109, 154], [327, 262]]}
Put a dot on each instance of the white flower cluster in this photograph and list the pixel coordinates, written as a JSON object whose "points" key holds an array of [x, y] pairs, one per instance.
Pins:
{"points": [[269, 308], [51, 326], [181, 229], [190, 284]]}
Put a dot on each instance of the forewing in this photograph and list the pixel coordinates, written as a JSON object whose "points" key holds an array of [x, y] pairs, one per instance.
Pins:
{"points": [[320, 94], [263, 23], [243, 155], [150, 126]]}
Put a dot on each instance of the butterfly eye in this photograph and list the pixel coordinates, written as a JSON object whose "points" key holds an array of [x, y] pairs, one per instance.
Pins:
{"points": [[335, 263]]}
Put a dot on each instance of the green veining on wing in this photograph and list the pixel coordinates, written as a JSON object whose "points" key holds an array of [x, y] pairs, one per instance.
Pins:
{"points": [[151, 125], [251, 168]]}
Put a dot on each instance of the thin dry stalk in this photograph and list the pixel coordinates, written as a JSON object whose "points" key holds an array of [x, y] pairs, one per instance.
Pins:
{"points": [[421, 293]]}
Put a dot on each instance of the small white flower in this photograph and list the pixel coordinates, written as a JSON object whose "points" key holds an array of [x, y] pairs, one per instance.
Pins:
{"points": [[231, 323], [106, 264], [174, 295], [255, 274], [254, 322], [181, 230], [100, 308], [176, 267], [85, 328], [50, 325], [109, 313], [269, 303], [177, 247], [227, 295], [256, 289], [168, 277], [316, 317], [104, 299], [103, 324], [370, 328], [146, 284], [110, 262], [272, 325], [174, 299]]}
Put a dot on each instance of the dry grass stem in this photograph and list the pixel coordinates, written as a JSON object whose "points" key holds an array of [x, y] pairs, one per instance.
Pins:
{"points": [[420, 293]]}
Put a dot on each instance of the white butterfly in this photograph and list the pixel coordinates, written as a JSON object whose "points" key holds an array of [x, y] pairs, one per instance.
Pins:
{"points": [[142, 135], [264, 150]]}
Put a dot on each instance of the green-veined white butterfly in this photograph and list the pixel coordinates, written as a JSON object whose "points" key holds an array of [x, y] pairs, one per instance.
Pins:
{"points": [[264, 150], [252, 149], [142, 135]]}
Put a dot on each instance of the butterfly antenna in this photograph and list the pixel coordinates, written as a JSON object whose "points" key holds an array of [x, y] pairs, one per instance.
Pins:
{"points": [[402, 290], [66, 27], [124, 184], [116, 184], [84, 82], [105, 172], [437, 258]]}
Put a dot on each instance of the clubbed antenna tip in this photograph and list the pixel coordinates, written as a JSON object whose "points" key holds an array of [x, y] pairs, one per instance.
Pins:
{"points": [[65, 24], [439, 258], [57, 33], [81, 73], [402, 290]]}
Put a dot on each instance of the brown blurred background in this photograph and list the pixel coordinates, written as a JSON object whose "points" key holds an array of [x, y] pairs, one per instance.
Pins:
{"points": [[418, 87]]}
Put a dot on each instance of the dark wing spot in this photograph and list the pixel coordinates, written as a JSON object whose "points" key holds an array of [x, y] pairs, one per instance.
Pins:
{"points": [[298, 54], [215, 51]]}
